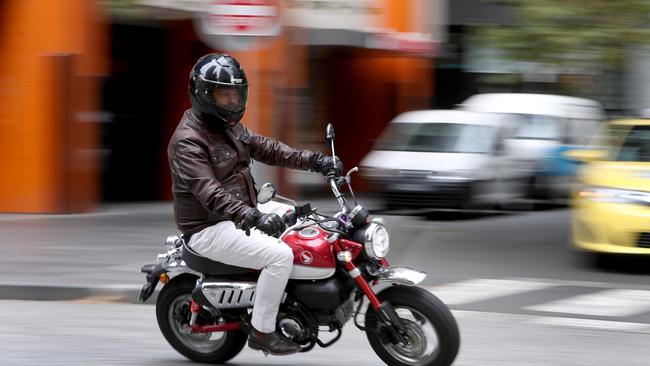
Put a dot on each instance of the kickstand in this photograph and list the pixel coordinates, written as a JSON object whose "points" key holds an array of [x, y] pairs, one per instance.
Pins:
{"points": [[323, 345]]}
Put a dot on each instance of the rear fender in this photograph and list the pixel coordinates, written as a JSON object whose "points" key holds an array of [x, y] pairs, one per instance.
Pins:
{"points": [[153, 272]]}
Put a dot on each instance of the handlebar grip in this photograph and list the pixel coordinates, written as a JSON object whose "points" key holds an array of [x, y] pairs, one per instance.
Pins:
{"points": [[290, 217]]}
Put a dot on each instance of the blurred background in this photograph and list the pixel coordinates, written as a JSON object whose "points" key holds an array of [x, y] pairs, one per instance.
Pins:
{"points": [[92, 90], [478, 115]]}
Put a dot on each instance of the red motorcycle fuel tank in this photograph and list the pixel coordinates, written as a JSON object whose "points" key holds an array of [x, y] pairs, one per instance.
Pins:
{"points": [[313, 256]]}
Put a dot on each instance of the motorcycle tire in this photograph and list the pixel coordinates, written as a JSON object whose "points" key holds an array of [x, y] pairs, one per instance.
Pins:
{"points": [[173, 315], [424, 308]]}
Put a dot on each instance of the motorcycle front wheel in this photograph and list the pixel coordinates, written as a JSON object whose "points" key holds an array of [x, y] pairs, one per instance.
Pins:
{"points": [[431, 338], [173, 315]]}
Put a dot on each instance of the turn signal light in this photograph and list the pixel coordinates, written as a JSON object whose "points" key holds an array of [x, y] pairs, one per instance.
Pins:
{"points": [[344, 256], [164, 278]]}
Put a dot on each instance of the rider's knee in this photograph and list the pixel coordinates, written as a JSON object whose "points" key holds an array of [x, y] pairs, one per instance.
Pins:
{"points": [[285, 255]]}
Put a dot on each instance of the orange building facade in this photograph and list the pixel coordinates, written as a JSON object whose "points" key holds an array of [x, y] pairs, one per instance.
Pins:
{"points": [[56, 54], [53, 53]]}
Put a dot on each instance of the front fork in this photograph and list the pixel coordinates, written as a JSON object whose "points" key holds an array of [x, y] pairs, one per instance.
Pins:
{"points": [[386, 312]]}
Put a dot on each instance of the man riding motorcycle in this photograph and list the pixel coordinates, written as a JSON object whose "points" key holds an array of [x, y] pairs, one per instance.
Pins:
{"points": [[215, 200]]}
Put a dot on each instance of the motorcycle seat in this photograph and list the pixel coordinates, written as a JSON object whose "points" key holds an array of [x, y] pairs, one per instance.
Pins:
{"points": [[207, 266]]}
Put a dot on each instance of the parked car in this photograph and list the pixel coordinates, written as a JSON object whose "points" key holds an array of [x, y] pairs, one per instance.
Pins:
{"points": [[547, 127], [611, 197], [446, 159]]}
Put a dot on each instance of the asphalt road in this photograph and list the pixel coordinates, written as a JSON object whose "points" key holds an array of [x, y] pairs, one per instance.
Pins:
{"points": [[521, 296], [87, 333]]}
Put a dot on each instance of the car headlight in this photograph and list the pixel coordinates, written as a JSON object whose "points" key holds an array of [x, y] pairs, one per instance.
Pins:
{"points": [[376, 241], [611, 195], [457, 175]]}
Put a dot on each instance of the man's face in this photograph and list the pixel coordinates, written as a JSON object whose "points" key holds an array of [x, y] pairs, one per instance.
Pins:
{"points": [[226, 96]]}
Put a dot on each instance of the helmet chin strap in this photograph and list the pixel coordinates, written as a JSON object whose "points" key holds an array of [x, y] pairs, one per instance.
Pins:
{"points": [[217, 122]]}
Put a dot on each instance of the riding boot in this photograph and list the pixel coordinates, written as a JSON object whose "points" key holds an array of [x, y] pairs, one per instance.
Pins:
{"points": [[273, 343]]}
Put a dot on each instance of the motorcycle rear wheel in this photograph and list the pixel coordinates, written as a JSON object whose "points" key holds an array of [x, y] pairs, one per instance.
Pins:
{"points": [[432, 334], [173, 315]]}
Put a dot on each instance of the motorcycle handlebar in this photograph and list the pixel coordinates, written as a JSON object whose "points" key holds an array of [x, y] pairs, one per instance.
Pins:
{"points": [[290, 217], [333, 181]]}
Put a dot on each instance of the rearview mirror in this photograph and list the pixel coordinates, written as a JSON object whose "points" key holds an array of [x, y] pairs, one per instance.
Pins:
{"points": [[266, 193], [330, 133]]}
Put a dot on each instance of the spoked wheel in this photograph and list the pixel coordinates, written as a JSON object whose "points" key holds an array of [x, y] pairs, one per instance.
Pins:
{"points": [[173, 314], [431, 335]]}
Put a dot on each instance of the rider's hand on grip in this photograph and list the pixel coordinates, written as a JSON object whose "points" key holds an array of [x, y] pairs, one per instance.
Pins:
{"points": [[326, 165], [270, 224], [336, 170]]}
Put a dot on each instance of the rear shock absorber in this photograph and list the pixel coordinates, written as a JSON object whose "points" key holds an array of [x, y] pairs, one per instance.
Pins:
{"points": [[195, 308]]}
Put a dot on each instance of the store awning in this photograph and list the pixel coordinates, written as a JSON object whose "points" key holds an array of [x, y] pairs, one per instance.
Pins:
{"points": [[417, 44]]}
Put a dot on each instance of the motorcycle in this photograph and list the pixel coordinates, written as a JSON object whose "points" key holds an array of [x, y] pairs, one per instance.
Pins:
{"points": [[204, 308]]}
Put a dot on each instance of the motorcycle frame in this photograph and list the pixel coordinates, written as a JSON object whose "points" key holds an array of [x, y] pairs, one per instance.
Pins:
{"points": [[350, 267]]}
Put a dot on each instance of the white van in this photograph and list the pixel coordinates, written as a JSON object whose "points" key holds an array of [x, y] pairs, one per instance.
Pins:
{"points": [[445, 159], [547, 126]]}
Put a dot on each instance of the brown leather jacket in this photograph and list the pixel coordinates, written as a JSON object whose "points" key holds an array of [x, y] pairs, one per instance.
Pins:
{"points": [[210, 168]]}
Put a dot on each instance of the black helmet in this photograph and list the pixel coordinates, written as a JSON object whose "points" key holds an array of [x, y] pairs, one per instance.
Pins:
{"points": [[219, 87]]}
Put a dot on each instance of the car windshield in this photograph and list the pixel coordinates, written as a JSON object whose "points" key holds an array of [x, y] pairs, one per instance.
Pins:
{"points": [[635, 145], [438, 137], [538, 127]]}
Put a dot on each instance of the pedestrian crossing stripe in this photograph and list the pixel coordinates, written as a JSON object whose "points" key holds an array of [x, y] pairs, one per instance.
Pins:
{"points": [[480, 289], [603, 303], [468, 316], [607, 325], [606, 300]]}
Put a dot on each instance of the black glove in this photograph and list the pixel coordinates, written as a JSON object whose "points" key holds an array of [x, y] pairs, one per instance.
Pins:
{"points": [[270, 224], [325, 165]]}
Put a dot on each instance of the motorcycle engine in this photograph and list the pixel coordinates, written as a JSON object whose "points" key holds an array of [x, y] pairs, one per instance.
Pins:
{"points": [[293, 326], [338, 317], [296, 327]]}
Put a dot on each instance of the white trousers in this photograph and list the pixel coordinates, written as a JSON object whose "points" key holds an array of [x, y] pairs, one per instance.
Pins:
{"points": [[225, 243]]}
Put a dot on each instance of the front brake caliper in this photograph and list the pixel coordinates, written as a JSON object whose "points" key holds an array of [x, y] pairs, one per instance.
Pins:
{"points": [[392, 323]]}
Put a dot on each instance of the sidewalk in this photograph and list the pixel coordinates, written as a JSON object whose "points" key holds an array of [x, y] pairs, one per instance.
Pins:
{"points": [[93, 256], [77, 256]]}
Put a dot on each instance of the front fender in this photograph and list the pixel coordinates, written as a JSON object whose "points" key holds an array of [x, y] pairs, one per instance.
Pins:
{"points": [[401, 275]]}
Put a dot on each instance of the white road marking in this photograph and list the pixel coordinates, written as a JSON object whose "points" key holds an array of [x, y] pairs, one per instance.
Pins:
{"points": [[592, 324], [129, 267], [603, 303], [604, 285], [115, 286], [475, 290]]}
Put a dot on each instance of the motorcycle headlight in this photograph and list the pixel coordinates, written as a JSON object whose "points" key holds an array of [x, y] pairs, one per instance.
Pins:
{"points": [[376, 241]]}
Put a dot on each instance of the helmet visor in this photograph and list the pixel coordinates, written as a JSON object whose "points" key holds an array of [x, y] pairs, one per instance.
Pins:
{"points": [[229, 97]]}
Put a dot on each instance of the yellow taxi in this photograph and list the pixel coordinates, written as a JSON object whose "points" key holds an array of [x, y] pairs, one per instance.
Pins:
{"points": [[611, 197]]}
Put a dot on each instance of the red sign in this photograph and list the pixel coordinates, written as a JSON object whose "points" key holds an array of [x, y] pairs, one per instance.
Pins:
{"points": [[414, 43], [243, 17]]}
